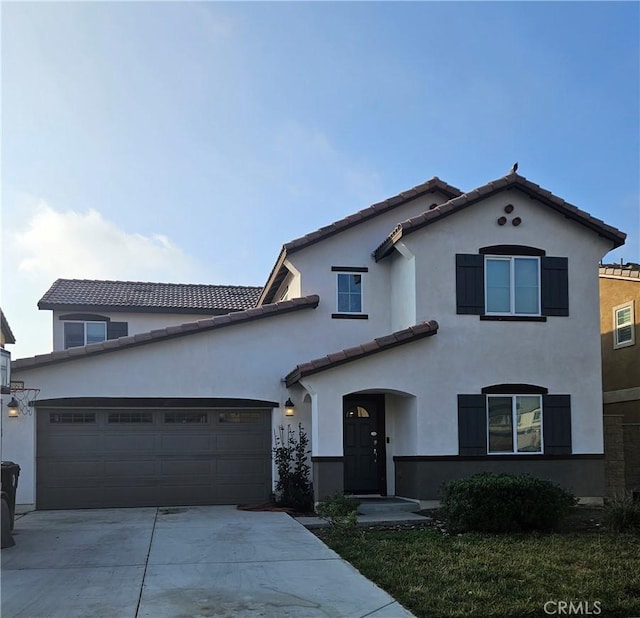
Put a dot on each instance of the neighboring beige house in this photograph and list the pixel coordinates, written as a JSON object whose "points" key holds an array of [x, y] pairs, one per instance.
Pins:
{"points": [[430, 336], [620, 340]]}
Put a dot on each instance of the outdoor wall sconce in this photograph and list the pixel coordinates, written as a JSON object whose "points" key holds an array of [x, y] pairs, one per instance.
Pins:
{"points": [[13, 408], [289, 408]]}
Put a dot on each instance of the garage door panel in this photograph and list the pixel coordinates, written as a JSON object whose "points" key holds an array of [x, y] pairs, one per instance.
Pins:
{"points": [[103, 458], [180, 443], [233, 443], [242, 467], [182, 467], [137, 443], [82, 442]]}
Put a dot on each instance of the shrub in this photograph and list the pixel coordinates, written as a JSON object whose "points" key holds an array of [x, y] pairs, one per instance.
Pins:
{"points": [[340, 511], [622, 513], [293, 488], [504, 503]]}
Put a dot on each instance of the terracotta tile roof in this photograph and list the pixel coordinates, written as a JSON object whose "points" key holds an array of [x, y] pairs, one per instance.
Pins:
{"points": [[6, 329], [170, 332], [434, 184], [430, 186], [139, 296], [630, 270], [413, 333], [509, 181]]}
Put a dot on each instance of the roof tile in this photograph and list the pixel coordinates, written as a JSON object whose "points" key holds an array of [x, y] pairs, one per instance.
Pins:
{"points": [[135, 294], [424, 329]]}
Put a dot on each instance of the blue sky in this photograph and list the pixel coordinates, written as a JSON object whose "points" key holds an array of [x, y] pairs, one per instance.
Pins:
{"points": [[188, 141]]}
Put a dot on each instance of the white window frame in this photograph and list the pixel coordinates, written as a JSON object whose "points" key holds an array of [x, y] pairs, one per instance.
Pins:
{"points": [[514, 425], [351, 273], [5, 373], [616, 328], [84, 331], [512, 288]]}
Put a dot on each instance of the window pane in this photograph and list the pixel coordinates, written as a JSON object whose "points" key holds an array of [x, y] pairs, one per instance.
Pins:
{"points": [[498, 294], [500, 425], [349, 293], [73, 334], [343, 283], [355, 303], [96, 332], [623, 316], [624, 334], [529, 421], [526, 285]]}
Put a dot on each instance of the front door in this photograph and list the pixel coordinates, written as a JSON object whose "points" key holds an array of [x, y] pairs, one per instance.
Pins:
{"points": [[364, 445]]}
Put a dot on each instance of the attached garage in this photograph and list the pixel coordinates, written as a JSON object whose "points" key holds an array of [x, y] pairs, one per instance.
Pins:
{"points": [[97, 453]]}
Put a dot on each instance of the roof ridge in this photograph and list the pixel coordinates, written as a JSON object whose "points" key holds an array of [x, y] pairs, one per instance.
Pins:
{"points": [[508, 181], [222, 285]]}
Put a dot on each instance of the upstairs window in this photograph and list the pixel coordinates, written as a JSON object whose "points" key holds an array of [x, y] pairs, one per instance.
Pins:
{"points": [[512, 282], [84, 333], [623, 326], [349, 298], [349, 293], [512, 285]]}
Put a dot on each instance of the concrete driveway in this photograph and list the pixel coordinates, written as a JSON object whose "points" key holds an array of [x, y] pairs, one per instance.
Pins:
{"points": [[191, 561]]}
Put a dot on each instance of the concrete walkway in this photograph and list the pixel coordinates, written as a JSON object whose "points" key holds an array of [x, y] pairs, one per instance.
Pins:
{"points": [[187, 562]]}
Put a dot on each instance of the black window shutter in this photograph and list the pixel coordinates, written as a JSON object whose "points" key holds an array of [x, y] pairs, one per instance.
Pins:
{"points": [[556, 424], [554, 272], [470, 284], [472, 425], [117, 329]]}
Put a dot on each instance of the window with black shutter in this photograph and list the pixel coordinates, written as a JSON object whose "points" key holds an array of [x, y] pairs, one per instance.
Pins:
{"points": [[497, 422], [472, 425], [523, 285], [557, 424]]}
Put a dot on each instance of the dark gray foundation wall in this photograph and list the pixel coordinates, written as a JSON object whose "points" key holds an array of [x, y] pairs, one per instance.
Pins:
{"points": [[422, 478], [328, 476]]}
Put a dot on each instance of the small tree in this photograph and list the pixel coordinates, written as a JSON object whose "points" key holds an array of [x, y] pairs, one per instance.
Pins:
{"points": [[293, 488]]}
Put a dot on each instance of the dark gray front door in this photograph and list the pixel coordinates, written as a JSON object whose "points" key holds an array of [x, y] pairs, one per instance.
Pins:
{"points": [[364, 445], [143, 457]]}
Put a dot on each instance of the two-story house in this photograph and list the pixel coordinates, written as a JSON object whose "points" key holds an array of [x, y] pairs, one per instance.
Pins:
{"points": [[430, 336], [620, 341]]}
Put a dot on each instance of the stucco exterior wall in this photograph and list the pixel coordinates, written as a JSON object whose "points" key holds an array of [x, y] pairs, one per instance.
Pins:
{"points": [[354, 247], [561, 354], [620, 367]]}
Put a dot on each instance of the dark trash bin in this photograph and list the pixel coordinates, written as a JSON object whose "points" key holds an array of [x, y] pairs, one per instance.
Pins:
{"points": [[7, 537], [10, 474]]}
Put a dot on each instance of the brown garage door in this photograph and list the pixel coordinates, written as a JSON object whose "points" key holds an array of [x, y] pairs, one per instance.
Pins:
{"points": [[90, 458]]}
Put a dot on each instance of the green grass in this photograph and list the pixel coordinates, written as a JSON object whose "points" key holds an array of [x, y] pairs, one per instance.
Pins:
{"points": [[498, 575]]}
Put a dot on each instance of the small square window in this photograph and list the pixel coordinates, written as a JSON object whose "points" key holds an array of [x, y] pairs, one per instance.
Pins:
{"points": [[623, 325]]}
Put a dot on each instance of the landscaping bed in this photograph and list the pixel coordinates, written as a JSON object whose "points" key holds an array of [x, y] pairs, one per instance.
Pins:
{"points": [[436, 574]]}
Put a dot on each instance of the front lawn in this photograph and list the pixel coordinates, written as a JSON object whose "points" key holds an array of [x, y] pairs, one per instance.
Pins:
{"points": [[478, 575]]}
